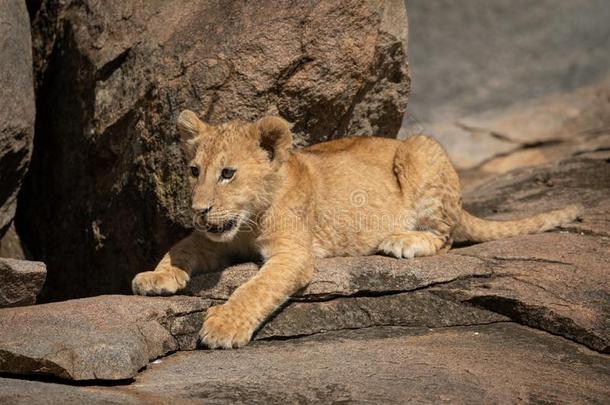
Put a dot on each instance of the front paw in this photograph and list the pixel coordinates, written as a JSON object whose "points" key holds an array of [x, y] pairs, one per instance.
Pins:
{"points": [[159, 283], [226, 328]]}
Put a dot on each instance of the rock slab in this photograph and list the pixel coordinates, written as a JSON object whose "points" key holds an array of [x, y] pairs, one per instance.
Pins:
{"points": [[20, 282], [112, 78], [102, 338], [17, 105], [500, 363]]}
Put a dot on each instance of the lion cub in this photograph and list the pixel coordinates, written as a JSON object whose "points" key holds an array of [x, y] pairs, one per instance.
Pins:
{"points": [[253, 195]]}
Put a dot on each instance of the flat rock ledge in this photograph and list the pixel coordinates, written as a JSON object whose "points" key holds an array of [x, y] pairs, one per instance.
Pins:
{"points": [[20, 281], [555, 285], [502, 363]]}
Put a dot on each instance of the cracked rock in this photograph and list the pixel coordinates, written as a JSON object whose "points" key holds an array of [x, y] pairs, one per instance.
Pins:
{"points": [[556, 282]]}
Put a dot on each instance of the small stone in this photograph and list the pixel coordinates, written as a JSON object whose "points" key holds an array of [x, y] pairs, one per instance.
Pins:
{"points": [[20, 281]]}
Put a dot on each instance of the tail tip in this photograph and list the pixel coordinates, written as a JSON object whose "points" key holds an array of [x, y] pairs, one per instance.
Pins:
{"points": [[576, 210]]}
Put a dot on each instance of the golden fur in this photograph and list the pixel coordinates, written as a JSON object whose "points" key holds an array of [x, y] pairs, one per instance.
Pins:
{"points": [[354, 196]]}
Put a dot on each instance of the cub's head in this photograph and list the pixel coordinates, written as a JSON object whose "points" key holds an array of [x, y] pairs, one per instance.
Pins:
{"points": [[233, 170]]}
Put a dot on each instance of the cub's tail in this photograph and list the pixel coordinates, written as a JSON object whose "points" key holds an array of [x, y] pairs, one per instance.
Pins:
{"points": [[471, 228]]}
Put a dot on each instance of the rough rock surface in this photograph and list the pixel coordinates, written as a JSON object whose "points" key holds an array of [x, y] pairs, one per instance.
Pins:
{"points": [[500, 363], [17, 107], [20, 282], [113, 77], [11, 245], [106, 337]]}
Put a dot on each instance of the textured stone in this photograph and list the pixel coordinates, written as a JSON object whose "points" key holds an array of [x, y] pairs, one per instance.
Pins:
{"points": [[17, 106], [501, 363], [113, 77], [106, 337], [418, 308], [475, 56], [20, 282], [556, 282]]}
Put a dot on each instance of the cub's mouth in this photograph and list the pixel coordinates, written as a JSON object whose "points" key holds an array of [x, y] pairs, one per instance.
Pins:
{"points": [[224, 227]]}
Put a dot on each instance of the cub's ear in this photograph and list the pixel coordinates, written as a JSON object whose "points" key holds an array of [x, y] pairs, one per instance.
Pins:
{"points": [[275, 138], [189, 126]]}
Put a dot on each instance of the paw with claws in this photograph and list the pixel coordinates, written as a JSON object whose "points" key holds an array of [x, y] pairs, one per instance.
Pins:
{"points": [[159, 282], [226, 327]]}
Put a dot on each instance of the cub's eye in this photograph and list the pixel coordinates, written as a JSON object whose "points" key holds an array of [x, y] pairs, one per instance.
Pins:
{"points": [[227, 173], [194, 171]]}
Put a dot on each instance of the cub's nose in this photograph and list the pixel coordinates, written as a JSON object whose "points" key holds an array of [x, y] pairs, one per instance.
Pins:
{"points": [[202, 211]]}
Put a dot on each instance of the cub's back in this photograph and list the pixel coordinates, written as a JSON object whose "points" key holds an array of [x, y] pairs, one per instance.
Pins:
{"points": [[347, 155], [359, 162], [353, 180]]}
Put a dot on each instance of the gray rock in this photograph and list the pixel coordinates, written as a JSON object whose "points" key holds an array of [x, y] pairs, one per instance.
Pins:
{"points": [[23, 392], [110, 101], [472, 57], [17, 106], [20, 282], [529, 133], [105, 338], [556, 282], [417, 308]]}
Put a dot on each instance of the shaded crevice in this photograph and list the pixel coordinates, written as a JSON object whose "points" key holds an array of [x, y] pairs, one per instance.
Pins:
{"points": [[47, 378], [522, 314], [289, 71], [515, 259], [111, 66], [321, 333], [296, 66]]}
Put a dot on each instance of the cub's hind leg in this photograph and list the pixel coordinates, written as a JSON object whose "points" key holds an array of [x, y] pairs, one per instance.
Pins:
{"points": [[431, 192]]}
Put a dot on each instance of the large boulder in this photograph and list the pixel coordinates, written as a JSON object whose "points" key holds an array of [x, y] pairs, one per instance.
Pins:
{"points": [[17, 106], [112, 78]]}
